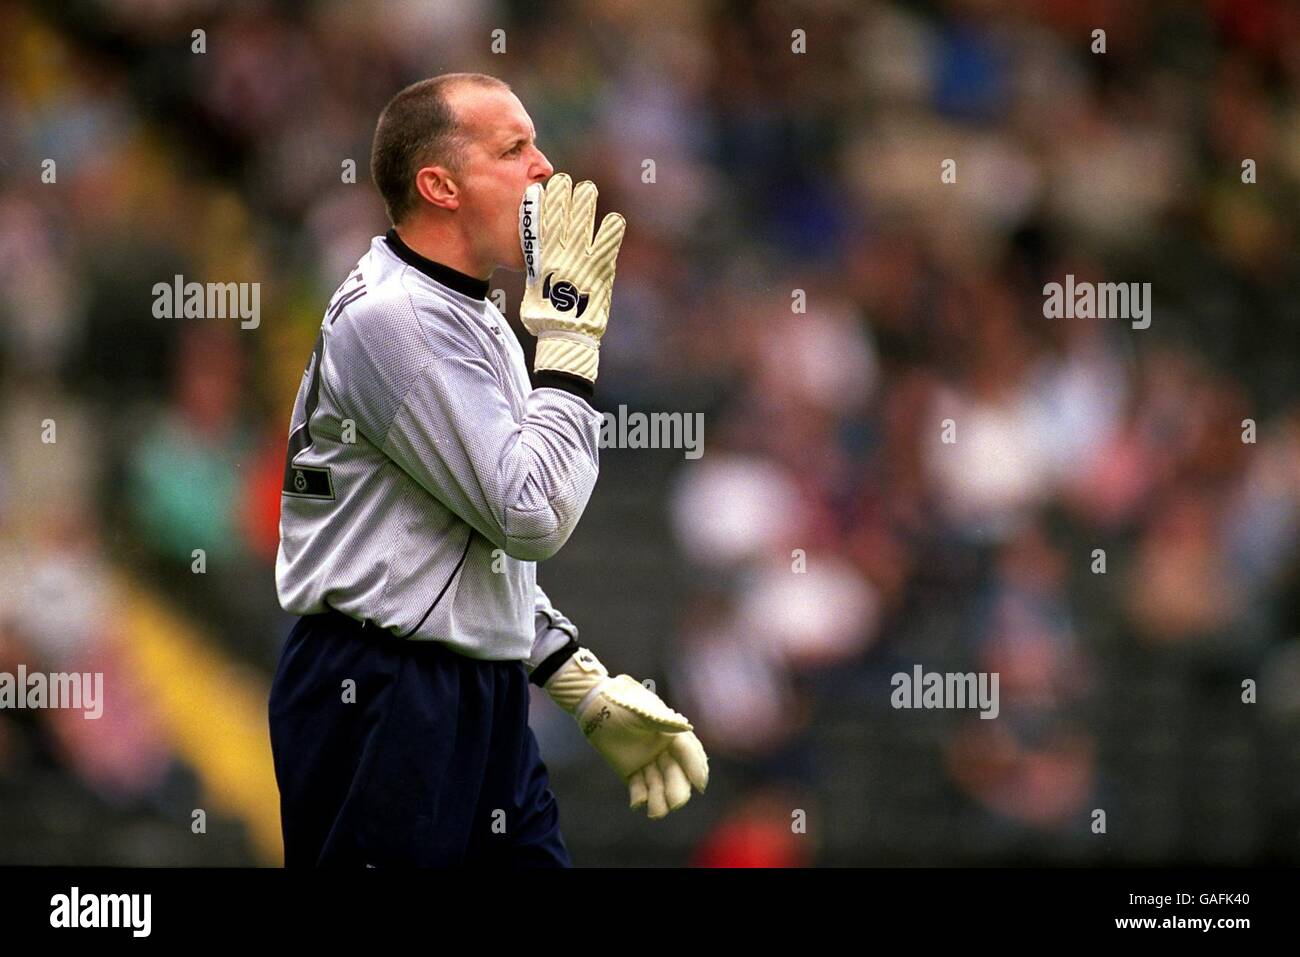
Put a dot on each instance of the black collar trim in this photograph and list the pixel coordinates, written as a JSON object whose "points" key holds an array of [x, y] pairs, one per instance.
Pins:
{"points": [[451, 278]]}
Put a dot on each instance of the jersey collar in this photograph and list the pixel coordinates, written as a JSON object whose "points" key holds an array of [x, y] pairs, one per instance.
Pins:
{"points": [[451, 278]]}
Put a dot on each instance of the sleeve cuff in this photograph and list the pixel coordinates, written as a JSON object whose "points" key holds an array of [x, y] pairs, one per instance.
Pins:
{"points": [[575, 385], [554, 661]]}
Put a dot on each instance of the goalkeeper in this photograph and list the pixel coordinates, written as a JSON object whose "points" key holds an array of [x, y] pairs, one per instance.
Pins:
{"points": [[425, 477]]}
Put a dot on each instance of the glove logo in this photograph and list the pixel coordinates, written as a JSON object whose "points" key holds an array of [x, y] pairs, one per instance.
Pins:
{"points": [[597, 721], [564, 295], [528, 237]]}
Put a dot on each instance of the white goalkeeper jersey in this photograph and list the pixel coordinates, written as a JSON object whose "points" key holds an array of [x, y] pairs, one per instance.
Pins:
{"points": [[425, 475]]}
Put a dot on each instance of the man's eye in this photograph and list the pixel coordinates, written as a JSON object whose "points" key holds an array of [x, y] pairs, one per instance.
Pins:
{"points": [[515, 150]]}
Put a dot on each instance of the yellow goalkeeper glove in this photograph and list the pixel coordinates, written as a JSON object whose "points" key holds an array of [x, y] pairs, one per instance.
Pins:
{"points": [[652, 748], [569, 275]]}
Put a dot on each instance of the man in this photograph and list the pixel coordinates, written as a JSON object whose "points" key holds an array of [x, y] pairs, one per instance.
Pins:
{"points": [[425, 477]]}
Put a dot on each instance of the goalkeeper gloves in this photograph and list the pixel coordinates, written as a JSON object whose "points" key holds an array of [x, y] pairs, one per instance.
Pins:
{"points": [[651, 747], [569, 276]]}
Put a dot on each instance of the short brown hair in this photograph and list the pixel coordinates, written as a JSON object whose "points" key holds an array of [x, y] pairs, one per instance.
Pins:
{"points": [[418, 128]]}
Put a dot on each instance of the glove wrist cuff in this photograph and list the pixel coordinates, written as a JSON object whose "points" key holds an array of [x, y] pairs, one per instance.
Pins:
{"points": [[577, 681], [572, 353]]}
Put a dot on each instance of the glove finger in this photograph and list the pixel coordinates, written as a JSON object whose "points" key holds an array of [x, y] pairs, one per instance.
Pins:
{"points": [[555, 209], [664, 725], [658, 804], [689, 753], [582, 215], [640, 794], [609, 237], [629, 694], [677, 790]]}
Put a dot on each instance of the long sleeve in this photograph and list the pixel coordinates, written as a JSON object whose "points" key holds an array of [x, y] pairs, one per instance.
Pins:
{"points": [[521, 483]]}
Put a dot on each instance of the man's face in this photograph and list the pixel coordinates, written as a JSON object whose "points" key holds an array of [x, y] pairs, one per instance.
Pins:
{"points": [[501, 160]]}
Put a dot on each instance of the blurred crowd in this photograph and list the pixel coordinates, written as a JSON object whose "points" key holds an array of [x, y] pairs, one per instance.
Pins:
{"points": [[904, 461]]}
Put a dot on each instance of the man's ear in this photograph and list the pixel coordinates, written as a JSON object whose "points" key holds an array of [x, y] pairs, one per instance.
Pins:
{"points": [[436, 185]]}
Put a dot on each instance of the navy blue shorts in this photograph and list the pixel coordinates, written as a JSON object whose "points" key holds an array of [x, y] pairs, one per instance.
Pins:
{"points": [[433, 765]]}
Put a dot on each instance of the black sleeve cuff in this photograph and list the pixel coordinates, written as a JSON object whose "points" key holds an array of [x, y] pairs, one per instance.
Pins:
{"points": [[554, 661], [573, 384]]}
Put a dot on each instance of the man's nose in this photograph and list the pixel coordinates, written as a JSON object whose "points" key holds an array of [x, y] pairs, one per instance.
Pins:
{"points": [[543, 168]]}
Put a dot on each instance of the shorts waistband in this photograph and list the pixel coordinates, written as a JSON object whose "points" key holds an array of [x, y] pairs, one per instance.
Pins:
{"points": [[369, 632]]}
